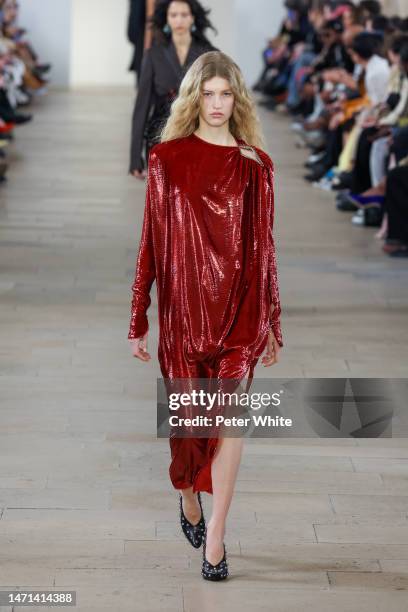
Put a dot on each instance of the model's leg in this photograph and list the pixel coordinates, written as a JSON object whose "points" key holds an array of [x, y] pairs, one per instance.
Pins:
{"points": [[191, 507], [224, 471], [189, 454], [224, 467]]}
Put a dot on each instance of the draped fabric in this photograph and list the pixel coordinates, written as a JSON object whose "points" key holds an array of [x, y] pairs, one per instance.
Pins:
{"points": [[207, 241]]}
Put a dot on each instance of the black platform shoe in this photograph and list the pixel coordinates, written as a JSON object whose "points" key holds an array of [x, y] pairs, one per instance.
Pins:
{"points": [[214, 572], [193, 533]]}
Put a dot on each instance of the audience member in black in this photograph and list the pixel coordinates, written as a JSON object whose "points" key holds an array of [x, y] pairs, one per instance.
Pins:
{"points": [[399, 146], [370, 8], [397, 23], [396, 207], [179, 30], [296, 26], [379, 23], [334, 54]]}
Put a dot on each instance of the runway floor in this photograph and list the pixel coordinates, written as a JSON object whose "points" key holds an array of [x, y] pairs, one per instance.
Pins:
{"points": [[85, 499]]}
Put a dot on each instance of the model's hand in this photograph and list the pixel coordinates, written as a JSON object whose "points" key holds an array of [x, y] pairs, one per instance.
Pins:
{"points": [[140, 174], [139, 348], [272, 351]]}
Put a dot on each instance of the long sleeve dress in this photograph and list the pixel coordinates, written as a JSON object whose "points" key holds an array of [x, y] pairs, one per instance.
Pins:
{"points": [[207, 241]]}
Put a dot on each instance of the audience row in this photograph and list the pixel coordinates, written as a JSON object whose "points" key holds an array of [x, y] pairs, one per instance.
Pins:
{"points": [[22, 76], [341, 70]]}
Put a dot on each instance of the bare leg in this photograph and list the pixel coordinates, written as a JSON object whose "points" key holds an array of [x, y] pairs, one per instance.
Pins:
{"points": [[382, 232], [224, 470], [191, 507]]}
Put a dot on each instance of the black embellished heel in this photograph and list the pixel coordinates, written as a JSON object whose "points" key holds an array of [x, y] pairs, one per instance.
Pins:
{"points": [[214, 572], [193, 533]]}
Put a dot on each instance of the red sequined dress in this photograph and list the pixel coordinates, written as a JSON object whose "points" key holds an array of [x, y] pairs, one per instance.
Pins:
{"points": [[207, 241]]}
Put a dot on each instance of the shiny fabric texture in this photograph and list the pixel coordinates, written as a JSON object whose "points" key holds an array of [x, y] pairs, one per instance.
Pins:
{"points": [[207, 241]]}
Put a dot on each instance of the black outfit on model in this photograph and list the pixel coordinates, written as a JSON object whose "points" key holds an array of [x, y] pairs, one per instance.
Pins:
{"points": [[160, 79], [135, 33]]}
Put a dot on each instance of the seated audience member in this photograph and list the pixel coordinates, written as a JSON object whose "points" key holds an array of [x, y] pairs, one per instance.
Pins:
{"points": [[371, 161], [343, 75], [21, 76], [386, 153], [278, 56], [396, 208], [302, 58]]}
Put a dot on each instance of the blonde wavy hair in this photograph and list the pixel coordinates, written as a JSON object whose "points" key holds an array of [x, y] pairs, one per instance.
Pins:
{"points": [[184, 114]]}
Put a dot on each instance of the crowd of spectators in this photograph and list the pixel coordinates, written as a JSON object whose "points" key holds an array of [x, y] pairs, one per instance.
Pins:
{"points": [[22, 76], [341, 70]]}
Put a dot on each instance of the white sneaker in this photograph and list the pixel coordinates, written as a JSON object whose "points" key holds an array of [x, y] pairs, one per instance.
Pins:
{"points": [[358, 218], [324, 184], [21, 97], [316, 157]]}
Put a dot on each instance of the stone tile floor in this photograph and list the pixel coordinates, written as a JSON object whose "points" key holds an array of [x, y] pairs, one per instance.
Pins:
{"points": [[85, 499]]}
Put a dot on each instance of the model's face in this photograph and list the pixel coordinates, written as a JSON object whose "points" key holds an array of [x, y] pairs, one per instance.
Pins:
{"points": [[179, 17], [217, 101]]}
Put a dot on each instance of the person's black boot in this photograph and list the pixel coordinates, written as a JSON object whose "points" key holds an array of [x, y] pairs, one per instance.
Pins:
{"points": [[214, 572], [318, 171], [193, 533], [373, 216], [342, 181], [43, 67], [20, 118], [344, 203]]}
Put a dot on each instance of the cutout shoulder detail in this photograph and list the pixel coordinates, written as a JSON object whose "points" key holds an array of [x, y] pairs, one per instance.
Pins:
{"points": [[250, 153]]}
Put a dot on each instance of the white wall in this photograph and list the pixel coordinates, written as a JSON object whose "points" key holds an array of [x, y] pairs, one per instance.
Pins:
{"points": [[396, 7], [100, 52], [223, 18], [49, 25], [243, 28], [255, 22]]}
